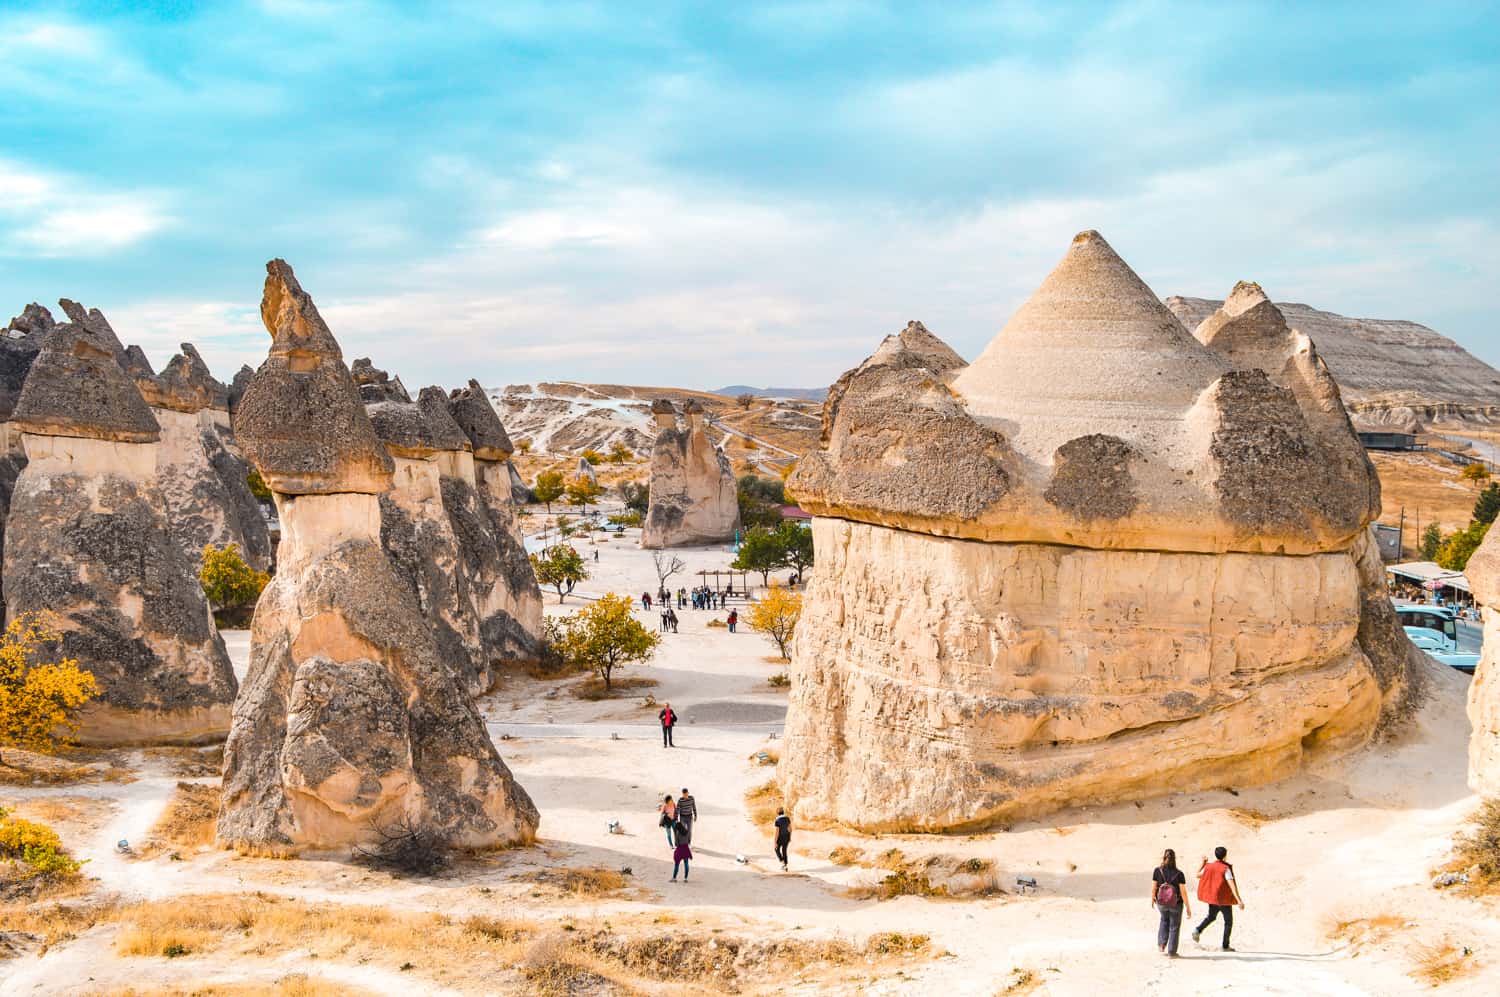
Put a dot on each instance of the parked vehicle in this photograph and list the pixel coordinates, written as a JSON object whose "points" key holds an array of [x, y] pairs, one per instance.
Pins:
{"points": [[1434, 630]]}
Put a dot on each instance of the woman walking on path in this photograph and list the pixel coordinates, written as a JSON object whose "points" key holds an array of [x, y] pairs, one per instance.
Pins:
{"points": [[1217, 888], [783, 835], [1169, 897], [668, 811], [681, 855]]}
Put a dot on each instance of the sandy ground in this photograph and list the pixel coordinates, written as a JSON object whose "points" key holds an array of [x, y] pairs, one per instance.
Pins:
{"points": [[1354, 839]]}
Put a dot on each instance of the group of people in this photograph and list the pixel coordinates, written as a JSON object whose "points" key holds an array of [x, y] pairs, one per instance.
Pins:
{"points": [[668, 619], [678, 817], [701, 598], [1216, 887]]}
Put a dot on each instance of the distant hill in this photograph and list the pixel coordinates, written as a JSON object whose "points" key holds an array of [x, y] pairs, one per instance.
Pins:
{"points": [[805, 394], [1388, 370]]}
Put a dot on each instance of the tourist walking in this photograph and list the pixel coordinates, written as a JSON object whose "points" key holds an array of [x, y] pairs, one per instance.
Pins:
{"points": [[1169, 897], [672, 619], [668, 721], [1217, 888], [682, 855], [687, 811], [646, 601], [734, 618], [783, 835], [664, 624], [668, 811]]}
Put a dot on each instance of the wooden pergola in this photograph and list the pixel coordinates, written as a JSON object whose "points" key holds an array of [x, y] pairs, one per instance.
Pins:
{"points": [[731, 573]]}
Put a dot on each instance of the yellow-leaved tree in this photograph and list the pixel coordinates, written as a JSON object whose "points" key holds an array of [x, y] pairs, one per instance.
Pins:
{"points": [[775, 615], [227, 580], [39, 700]]}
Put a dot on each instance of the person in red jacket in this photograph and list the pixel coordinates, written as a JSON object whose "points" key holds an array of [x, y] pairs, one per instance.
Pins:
{"points": [[1217, 888], [668, 720]]}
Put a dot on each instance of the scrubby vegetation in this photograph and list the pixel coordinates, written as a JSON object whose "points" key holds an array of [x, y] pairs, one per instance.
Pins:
{"points": [[34, 857], [775, 615], [39, 700], [231, 585], [603, 637], [1476, 851]]}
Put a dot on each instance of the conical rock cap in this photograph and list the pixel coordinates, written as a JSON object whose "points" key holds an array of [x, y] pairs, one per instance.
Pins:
{"points": [[471, 409]]}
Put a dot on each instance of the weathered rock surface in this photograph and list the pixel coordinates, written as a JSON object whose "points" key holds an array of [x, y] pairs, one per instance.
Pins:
{"points": [[1483, 572], [1037, 589], [481, 509], [350, 720], [1389, 372], [88, 541], [19, 347], [693, 489]]}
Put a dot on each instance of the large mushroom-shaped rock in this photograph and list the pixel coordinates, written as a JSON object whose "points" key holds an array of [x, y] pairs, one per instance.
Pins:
{"points": [[87, 541], [203, 477], [482, 508], [415, 528], [694, 499], [1483, 572], [351, 723], [1038, 589]]}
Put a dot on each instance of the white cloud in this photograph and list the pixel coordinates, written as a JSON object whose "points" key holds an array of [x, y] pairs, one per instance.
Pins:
{"points": [[53, 215]]}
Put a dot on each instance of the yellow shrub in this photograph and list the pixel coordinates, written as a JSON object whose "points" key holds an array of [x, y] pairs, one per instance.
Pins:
{"points": [[38, 700]]}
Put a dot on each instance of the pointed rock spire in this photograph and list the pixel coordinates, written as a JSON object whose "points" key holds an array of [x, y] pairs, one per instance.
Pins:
{"points": [[471, 409], [34, 321], [76, 387], [187, 385]]}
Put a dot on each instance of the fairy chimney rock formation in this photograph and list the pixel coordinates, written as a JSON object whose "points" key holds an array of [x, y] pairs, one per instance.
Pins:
{"points": [[1483, 572], [483, 512], [1037, 591], [88, 540], [693, 499], [350, 723]]}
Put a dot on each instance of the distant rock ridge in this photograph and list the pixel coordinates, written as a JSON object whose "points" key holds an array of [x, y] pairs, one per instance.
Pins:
{"points": [[1104, 561], [1389, 372]]}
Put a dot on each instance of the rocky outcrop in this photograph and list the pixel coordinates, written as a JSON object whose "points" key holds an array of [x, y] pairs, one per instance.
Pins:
{"points": [[415, 527], [1389, 372], [693, 491], [350, 721], [1037, 590], [483, 513], [88, 541], [19, 347], [1483, 572], [202, 476]]}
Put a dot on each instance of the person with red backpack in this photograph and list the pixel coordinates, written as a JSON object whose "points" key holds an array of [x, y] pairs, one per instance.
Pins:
{"points": [[1217, 888], [1169, 897]]}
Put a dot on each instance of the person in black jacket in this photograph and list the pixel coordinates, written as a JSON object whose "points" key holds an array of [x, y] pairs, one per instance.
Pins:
{"points": [[687, 811], [668, 721], [783, 835]]}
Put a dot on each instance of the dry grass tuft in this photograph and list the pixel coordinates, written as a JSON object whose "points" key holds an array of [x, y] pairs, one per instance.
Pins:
{"points": [[187, 822], [1362, 931], [291, 985], [1022, 981], [190, 763], [592, 689], [937, 876], [762, 802], [591, 881], [32, 768], [1440, 962], [1476, 852], [847, 855], [1250, 817]]}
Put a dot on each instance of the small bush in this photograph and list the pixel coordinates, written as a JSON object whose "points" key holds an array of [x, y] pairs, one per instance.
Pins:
{"points": [[901, 883], [405, 850], [34, 849], [591, 881], [847, 855], [227, 580], [779, 680], [629, 517], [1476, 853], [1441, 962]]}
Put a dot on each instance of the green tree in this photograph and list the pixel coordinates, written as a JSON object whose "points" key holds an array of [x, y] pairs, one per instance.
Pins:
{"points": [[594, 457], [760, 501], [523, 446], [559, 565], [258, 486], [762, 550], [1432, 539], [604, 636], [797, 545], [620, 453], [39, 700], [1461, 545], [548, 488], [227, 580], [1487, 505], [582, 489]]}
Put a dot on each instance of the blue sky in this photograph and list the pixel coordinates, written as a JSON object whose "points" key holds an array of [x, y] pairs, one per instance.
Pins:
{"points": [[707, 194]]}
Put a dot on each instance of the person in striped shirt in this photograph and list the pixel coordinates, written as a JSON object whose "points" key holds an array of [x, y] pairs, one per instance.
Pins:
{"points": [[687, 811]]}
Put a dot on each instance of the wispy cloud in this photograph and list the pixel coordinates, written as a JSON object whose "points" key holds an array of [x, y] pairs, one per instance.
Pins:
{"points": [[54, 215]]}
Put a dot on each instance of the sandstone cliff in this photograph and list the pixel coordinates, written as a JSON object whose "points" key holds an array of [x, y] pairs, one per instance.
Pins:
{"points": [[1483, 573], [693, 489], [1389, 372], [87, 539], [350, 721], [1038, 588]]}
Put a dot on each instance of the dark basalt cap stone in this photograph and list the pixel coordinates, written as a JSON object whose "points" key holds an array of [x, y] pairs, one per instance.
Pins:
{"points": [[300, 420], [375, 385], [76, 386], [471, 409], [187, 385], [662, 407]]}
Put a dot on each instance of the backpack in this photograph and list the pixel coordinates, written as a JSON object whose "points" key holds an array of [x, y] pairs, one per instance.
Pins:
{"points": [[1166, 895]]}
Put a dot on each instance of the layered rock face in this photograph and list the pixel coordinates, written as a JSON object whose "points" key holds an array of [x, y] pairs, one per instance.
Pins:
{"points": [[350, 720], [693, 490], [202, 476], [19, 346], [482, 509], [415, 528], [1483, 572], [1038, 589], [88, 540]]}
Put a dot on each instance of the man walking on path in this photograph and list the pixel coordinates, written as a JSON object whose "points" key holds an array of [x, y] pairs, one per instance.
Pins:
{"points": [[687, 811], [668, 721], [783, 835], [1217, 888]]}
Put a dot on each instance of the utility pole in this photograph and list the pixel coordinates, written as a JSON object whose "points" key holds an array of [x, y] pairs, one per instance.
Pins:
{"points": [[1401, 534]]}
